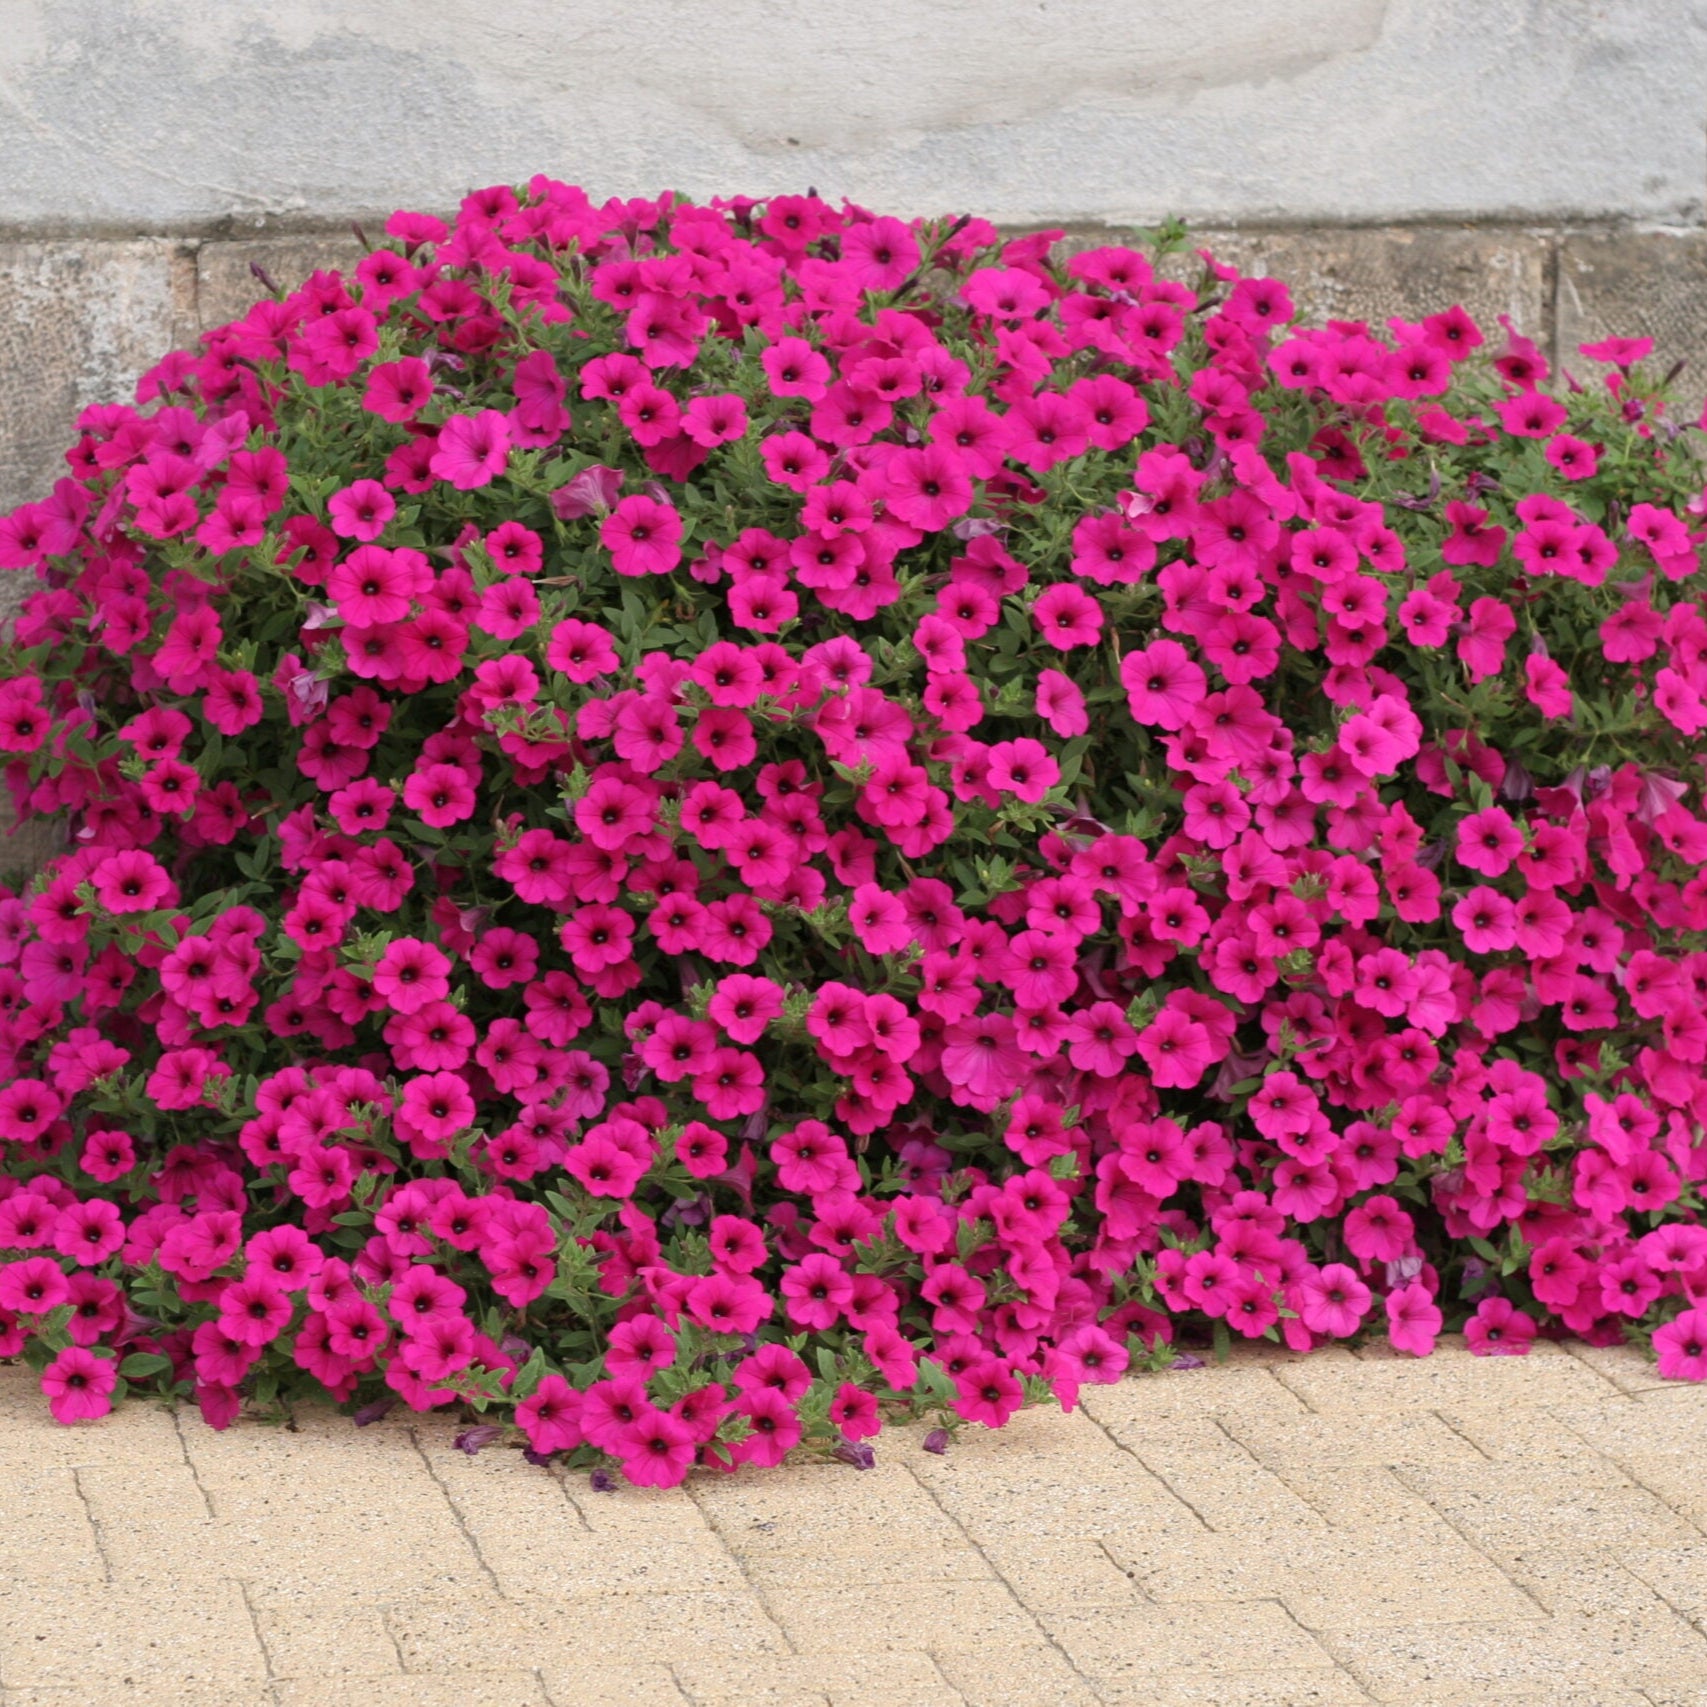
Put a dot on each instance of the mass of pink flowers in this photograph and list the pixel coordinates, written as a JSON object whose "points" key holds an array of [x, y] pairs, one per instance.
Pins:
{"points": [[690, 826]]}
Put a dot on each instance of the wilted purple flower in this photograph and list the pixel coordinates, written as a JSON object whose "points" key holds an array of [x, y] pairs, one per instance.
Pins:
{"points": [[602, 1482], [936, 1441], [472, 1439], [592, 492], [1185, 1360], [542, 1459], [373, 1412], [861, 1456]]}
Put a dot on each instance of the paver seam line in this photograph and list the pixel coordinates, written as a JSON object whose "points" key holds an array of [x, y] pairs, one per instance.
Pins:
{"points": [[1624, 1469], [561, 1478], [260, 1640], [391, 1636], [1297, 1493], [681, 1688], [189, 1461], [456, 1514], [1446, 1423], [94, 1526], [1600, 1374], [1522, 1588], [538, 1675], [1302, 1399], [1339, 1665], [753, 1588], [1018, 1599], [1161, 1481], [1131, 1576]]}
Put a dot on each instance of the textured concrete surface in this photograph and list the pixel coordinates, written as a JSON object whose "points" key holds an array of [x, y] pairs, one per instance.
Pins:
{"points": [[1275, 1532], [168, 114]]}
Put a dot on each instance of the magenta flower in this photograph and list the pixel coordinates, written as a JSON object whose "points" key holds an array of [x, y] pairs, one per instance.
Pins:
{"points": [[79, 1385], [473, 450]]}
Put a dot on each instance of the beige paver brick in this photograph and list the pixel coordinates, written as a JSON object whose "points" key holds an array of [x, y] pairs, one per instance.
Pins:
{"points": [[153, 1524], [1569, 1651], [1572, 1579], [148, 1692], [1665, 1419], [138, 1431], [495, 1688], [1131, 1655], [1016, 1677], [1048, 1574], [1356, 1496], [1505, 1508], [1678, 1574], [990, 1501], [46, 1537], [1267, 1689], [1385, 1577], [327, 1639], [443, 1633], [1251, 1391], [612, 1686], [858, 1618], [627, 1513], [1381, 1438], [1230, 1490], [856, 1678], [824, 1509], [1507, 1434], [1627, 1367], [90, 1640], [1200, 1567], [1451, 1376], [895, 1567]]}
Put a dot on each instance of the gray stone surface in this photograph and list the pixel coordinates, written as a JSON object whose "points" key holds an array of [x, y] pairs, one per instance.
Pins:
{"points": [[1638, 285], [79, 321], [226, 285], [177, 114], [1407, 271]]}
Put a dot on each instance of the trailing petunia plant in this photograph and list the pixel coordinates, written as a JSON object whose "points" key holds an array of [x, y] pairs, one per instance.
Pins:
{"points": [[693, 825]]}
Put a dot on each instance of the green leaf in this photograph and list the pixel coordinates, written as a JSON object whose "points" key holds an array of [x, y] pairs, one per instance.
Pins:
{"points": [[141, 1364]]}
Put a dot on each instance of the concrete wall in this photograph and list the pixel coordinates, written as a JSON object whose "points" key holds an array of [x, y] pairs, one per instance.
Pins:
{"points": [[177, 115], [1542, 158]]}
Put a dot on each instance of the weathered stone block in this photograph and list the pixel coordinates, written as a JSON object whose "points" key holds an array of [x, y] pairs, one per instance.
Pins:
{"points": [[79, 321], [226, 284], [1638, 285]]}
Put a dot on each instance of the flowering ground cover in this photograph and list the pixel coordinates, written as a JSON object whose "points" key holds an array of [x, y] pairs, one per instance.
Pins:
{"points": [[690, 824]]}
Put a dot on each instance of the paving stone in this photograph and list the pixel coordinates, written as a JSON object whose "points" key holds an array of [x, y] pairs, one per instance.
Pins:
{"points": [[1569, 1579], [138, 1432], [1250, 1391], [1448, 1378], [1016, 1677], [897, 1567], [1129, 1656], [1546, 1657], [316, 1640], [858, 1618], [91, 1640], [226, 288], [496, 1688], [151, 1692], [1200, 1567], [1627, 1367], [1229, 1490], [861, 1678], [1633, 284], [47, 1539], [833, 1510], [442, 1633], [612, 1686], [1049, 1574], [1508, 1434], [1268, 1689], [1356, 1496], [1504, 1509], [1381, 1438], [1677, 1574]]}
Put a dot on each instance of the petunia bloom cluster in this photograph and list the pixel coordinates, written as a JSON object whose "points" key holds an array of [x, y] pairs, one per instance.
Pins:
{"points": [[694, 825]]}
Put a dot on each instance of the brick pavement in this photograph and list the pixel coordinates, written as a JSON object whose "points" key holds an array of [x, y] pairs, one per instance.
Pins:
{"points": [[1276, 1532]]}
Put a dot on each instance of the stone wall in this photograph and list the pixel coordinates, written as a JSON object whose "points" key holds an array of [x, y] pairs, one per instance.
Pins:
{"points": [[81, 317]]}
